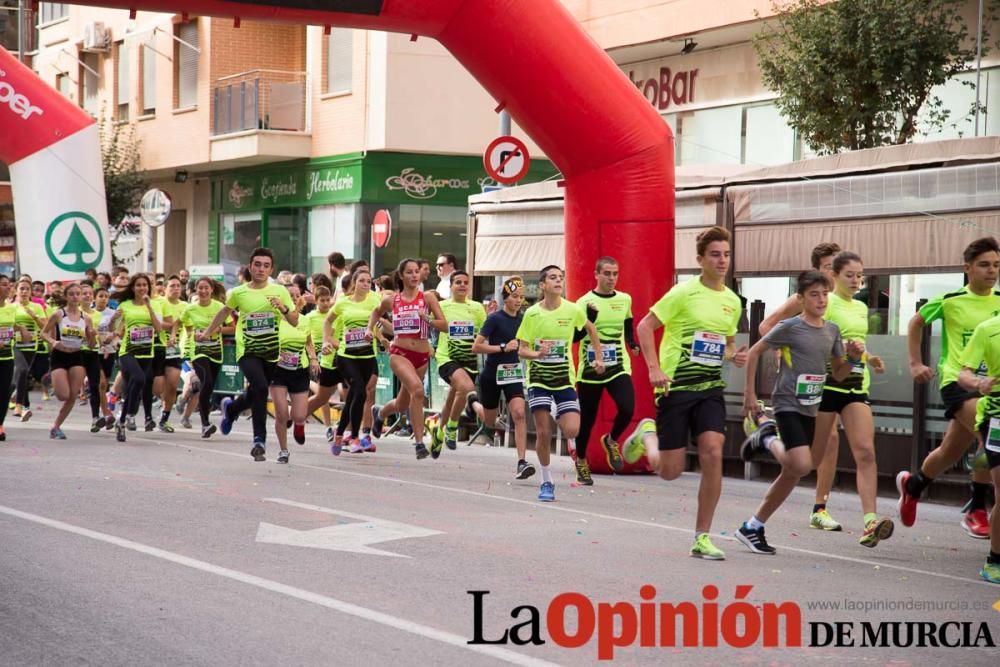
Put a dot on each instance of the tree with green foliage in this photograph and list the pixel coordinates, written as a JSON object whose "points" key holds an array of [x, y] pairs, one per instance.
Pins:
{"points": [[124, 183], [853, 74]]}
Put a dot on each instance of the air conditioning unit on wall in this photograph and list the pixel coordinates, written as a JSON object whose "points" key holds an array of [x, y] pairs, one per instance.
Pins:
{"points": [[96, 37]]}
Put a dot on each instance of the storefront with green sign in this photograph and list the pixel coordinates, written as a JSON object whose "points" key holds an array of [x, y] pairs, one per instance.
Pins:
{"points": [[305, 210]]}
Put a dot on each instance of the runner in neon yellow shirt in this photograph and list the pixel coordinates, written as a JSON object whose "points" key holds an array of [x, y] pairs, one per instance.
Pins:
{"points": [[261, 306], [961, 312], [546, 334]]}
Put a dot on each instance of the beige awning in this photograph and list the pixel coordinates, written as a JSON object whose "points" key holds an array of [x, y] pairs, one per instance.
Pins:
{"points": [[910, 244]]}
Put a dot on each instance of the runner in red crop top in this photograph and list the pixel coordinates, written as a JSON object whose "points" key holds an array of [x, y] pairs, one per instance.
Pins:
{"points": [[413, 312]]}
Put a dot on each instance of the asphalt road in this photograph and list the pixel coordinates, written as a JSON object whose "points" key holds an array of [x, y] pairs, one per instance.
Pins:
{"points": [[170, 549]]}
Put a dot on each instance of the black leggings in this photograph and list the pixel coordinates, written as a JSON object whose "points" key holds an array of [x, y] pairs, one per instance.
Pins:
{"points": [[136, 371], [92, 362], [206, 370], [357, 373], [6, 388], [622, 393], [258, 374], [28, 364]]}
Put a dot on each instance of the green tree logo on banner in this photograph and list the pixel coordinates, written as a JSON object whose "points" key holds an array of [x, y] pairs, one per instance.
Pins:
{"points": [[77, 245]]}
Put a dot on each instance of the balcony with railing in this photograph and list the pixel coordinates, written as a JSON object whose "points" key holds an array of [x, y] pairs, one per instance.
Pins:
{"points": [[261, 115]]}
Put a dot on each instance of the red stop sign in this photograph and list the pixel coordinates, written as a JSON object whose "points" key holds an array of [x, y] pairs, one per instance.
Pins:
{"points": [[381, 228]]}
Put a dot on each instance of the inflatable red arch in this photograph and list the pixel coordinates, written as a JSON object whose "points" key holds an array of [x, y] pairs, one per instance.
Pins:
{"points": [[614, 151]]}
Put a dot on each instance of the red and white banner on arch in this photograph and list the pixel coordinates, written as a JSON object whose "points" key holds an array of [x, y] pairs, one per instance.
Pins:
{"points": [[53, 150]]}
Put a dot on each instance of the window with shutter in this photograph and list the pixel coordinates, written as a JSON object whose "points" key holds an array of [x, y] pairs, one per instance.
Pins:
{"points": [[148, 57], [186, 66], [90, 83], [339, 60], [122, 80]]}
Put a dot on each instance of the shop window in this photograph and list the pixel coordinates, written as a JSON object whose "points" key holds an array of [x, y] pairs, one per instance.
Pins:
{"points": [[186, 65], [239, 234], [333, 228], [419, 232], [339, 60], [287, 236], [710, 136], [958, 97], [768, 139]]}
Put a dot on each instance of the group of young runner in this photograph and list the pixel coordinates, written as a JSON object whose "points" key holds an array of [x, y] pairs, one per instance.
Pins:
{"points": [[297, 360]]}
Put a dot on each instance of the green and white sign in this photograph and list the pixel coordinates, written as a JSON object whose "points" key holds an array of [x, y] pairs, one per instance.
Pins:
{"points": [[376, 177], [74, 242]]}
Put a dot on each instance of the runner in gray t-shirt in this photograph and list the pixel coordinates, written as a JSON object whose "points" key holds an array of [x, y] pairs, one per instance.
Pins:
{"points": [[807, 343], [799, 387]]}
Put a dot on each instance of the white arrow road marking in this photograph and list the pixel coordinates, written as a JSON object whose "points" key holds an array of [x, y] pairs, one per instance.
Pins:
{"points": [[353, 537]]}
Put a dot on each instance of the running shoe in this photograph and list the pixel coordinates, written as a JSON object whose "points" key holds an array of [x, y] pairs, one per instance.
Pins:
{"points": [[356, 447], [257, 451], [435, 447], [226, 425], [288, 424], [164, 427], [180, 404], [907, 504], [207, 431], [18, 412], [451, 437], [26, 415], [547, 492], [611, 453], [110, 423], [112, 400], [55, 433], [583, 473], [377, 421], [367, 444], [524, 470], [335, 447], [150, 424], [823, 521], [96, 425], [991, 572], [470, 412], [876, 530], [421, 451], [299, 433], [634, 445], [754, 443], [436, 433], [3, 434], [283, 456], [977, 524], [750, 421], [186, 422], [330, 434], [704, 549], [130, 423], [754, 540], [120, 432], [404, 431]]}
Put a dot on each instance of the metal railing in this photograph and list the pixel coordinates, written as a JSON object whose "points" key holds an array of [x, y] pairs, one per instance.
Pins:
{"points": [[261, 99]]}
